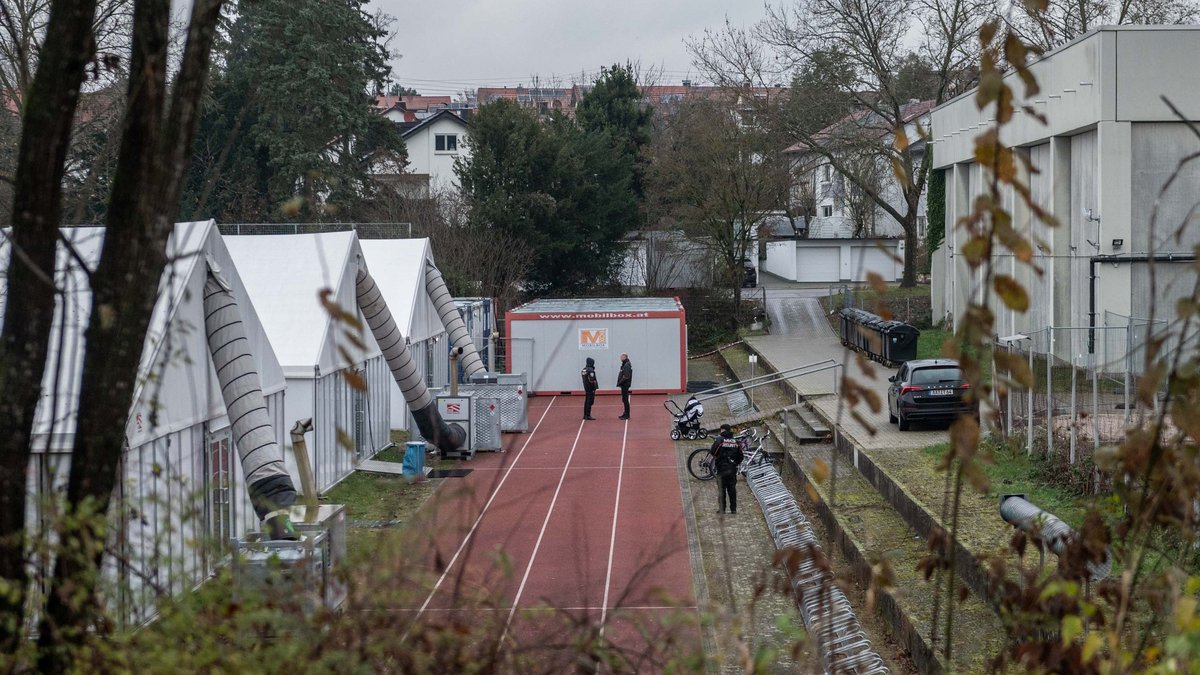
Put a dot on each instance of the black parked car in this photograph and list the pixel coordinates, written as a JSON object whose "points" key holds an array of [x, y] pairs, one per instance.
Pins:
{"points": [[750, 280], [929, 390]]}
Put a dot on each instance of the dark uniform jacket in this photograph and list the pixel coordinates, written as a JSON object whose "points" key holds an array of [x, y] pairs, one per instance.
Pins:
{"points": [[589, 379], [625, 377], [728, 455]]}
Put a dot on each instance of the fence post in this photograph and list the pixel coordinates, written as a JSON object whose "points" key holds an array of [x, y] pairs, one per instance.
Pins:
{"points": [[1095, 404], [1074, 411], [1029, 407], [1128, 368], [1049, 391], [1008, 398]]}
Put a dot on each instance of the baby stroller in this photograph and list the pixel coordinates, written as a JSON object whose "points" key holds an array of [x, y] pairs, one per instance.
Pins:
{"points": [[687, 419]]}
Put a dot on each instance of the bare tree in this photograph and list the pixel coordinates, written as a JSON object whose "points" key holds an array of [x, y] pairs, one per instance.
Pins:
{"points": [[719, 177], [860, 205], [156, 134], [1064, 20], [476, 261], [871, 36], [29, 307], [92, 152]]}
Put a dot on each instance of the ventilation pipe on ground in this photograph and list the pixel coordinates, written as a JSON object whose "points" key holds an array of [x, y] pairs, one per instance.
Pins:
{"points": [[443, 302], [447, 437], [271, 490], [1023, 514]]}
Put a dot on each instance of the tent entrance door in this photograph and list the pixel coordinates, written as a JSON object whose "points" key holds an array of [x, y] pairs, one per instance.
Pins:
{"points": [[362, 436], [218, 493]]}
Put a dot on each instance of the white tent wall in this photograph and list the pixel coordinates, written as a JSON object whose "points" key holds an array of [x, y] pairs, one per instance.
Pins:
{"points": [[174, 495], [284, 275], [363, 417]]}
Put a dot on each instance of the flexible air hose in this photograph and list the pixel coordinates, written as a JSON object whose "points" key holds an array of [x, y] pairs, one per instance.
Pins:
{"points": [[435, 286], [447, 437], [271, 490]]}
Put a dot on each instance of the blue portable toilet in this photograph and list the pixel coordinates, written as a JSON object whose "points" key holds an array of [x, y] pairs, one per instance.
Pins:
{"points": [[414, 460]]}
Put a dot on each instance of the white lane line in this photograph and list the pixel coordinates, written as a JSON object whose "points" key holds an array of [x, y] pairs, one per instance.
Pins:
{"points": [[541, 535], [482, 513], [630, 608], [612, 540]]}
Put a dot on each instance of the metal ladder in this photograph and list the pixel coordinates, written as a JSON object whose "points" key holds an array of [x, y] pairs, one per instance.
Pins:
{"points": [[827, 614]]}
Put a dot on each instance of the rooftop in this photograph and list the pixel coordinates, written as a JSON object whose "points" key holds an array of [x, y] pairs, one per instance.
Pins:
{"points": [[592, 305]]}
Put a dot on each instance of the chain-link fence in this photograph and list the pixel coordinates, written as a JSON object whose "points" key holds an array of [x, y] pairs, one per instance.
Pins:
{"points": [[1086, 386], [364, 230], [913, 309]]}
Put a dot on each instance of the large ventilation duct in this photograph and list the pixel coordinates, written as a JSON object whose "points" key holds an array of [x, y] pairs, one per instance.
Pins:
{"points": [[435, 286], [271, 490], [1023, 514], [447, 437]]}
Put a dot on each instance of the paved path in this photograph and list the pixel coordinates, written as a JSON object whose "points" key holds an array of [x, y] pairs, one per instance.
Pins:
{"points": [[801, 335]]}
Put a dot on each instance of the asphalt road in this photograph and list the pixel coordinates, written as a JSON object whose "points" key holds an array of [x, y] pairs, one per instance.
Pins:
{"points": [[794, 310]]}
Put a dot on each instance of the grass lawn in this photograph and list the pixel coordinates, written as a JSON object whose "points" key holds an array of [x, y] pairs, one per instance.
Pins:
{"points": [[389, 501], [1012, 472], [929, 345]]}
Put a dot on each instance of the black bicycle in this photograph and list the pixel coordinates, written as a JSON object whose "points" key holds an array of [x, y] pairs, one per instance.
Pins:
{"points": [[700, 462]]}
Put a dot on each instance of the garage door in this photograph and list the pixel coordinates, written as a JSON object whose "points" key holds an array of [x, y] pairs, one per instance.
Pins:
{"points": [[871, 259], [818, 263]]}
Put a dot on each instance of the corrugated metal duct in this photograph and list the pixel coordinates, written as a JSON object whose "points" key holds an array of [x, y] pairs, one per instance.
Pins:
{"points": [[447, 437], [267, 480], [435, 285]]}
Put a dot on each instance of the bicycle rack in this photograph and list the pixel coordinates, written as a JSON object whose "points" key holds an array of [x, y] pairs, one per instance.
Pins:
{"points": [[824, 608]]}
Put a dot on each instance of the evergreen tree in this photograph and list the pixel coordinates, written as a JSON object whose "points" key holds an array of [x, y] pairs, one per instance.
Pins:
{"points": [[290, 112], [558, 186]]}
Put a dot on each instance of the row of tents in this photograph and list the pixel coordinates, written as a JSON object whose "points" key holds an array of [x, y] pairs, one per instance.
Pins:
{"points": [[181, 495]]}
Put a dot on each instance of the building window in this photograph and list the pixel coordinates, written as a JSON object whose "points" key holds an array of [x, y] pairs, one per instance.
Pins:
{"points": [[826, 211], [828, 173], [921, 225], [445, 143]]}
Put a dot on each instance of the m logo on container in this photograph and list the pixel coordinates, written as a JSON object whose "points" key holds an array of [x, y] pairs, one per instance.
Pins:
{"points": [[593, 338]]}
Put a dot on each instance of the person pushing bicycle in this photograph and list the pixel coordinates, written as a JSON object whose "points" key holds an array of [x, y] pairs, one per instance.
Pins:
{"points": [[727, 456]]}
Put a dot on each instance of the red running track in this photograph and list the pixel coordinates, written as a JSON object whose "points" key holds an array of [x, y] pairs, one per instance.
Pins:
{"points": [[585, 518]]}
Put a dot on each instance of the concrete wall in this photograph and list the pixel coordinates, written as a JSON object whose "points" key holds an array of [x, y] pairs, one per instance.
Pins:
{"points": [[666, 260], [1099, 165], [834, 260], [781, 259]]}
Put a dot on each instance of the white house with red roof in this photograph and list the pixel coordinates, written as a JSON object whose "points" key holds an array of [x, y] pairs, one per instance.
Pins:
{"points": [[842, 209]]}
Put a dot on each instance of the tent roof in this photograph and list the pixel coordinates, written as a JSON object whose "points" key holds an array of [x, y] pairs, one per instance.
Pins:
{"points": [[186, 250], [284, 275], [398, 266], [598, 305]]}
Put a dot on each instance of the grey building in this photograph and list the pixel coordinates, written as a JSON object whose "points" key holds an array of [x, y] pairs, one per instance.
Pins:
{"points": [[1101, 160]]}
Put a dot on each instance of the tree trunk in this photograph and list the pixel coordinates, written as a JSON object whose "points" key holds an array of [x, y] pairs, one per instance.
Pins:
{"points": [[910, 250], [145, 200], [29, 311]]}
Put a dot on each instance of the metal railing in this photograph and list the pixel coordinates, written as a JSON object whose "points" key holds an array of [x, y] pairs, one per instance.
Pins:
{"points": [[364, 230], [742, 386], [826, 612]]}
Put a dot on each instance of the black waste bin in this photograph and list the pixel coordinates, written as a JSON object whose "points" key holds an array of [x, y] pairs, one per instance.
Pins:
{"points": [[899, 342]]}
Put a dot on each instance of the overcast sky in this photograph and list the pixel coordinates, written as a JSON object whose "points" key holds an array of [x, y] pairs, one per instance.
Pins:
{"points": [[452, 45]]}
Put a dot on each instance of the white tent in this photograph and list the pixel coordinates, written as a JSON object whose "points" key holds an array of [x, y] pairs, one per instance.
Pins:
{"points": [[398, 266], [181, 489], [285, 276]]}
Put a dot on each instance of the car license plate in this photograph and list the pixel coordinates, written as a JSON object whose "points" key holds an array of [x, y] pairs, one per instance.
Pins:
{"points": [[941, 392]]}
